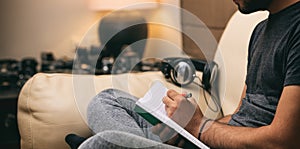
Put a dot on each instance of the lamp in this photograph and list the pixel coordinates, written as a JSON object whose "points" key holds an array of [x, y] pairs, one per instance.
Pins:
{"points": [[122, 27]]}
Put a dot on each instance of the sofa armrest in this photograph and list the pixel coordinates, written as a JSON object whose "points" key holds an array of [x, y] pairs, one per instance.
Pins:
{"points": [[47, 112]]}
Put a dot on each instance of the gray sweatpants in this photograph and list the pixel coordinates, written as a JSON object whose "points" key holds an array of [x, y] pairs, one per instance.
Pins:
{"points": [[111, 117]]}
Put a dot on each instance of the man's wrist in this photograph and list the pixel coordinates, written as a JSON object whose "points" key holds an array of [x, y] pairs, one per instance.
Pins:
{"points": [[204, 126]]}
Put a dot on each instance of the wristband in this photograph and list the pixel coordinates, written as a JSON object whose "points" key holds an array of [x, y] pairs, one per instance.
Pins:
{"points": [[202, 127]]}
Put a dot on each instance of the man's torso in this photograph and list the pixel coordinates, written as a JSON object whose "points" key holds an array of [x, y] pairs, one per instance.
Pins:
{"points": [[272, 43]]}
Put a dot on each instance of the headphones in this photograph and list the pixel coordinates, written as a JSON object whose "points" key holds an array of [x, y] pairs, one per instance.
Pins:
{"points": [[182, 71]]}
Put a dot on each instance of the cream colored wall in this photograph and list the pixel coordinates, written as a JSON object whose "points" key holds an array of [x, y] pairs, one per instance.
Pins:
{"points": [[32, 26]]}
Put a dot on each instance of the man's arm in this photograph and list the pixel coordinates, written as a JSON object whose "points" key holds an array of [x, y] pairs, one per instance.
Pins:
{"points": [[227, 118], [284, 131]]}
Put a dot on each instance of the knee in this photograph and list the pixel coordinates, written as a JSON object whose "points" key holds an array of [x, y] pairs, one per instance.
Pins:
{"points": [[102, 98], [105, 98], [107, 94], [110, 93]]}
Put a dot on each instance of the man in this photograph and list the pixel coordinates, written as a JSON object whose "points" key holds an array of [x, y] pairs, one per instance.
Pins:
{"points": [[269, 114], [267, 117]]}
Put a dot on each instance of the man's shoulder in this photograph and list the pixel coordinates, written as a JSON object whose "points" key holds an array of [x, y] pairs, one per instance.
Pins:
{"points": [[258, 29], [262, 24]]}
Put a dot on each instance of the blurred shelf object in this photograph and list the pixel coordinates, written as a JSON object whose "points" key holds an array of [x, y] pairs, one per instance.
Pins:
{"points": [[52, 65]]}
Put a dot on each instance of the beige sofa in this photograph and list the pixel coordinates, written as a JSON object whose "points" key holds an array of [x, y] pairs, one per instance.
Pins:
{"points": [[51, 106]]}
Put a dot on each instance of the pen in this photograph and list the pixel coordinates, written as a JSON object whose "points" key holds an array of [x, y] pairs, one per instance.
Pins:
{"points": [[187, 95]]}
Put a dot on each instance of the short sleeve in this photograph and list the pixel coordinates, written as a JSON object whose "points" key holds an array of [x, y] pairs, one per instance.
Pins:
{"points": [[292, 76]]}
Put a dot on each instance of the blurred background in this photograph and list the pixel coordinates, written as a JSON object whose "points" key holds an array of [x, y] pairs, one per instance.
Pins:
{"points": [[30, 27], [44, 36]]}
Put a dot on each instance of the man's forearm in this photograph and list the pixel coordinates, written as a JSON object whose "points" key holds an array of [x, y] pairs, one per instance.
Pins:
{"points": [[283, 132], [218, 135]]}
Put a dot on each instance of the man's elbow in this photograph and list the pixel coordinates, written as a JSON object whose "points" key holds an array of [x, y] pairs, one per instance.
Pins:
{"points": [[276, 138], [282, 144], [282, 141]]}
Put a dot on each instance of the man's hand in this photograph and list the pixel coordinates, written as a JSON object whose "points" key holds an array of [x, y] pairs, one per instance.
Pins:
{"points": [[185, 112]]}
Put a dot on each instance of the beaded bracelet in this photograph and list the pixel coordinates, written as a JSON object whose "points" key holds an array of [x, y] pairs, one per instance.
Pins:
{"points": [[202, 127]]}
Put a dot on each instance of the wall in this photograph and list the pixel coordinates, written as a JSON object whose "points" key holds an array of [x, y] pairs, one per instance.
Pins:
{"points": [[33, 26], [29, 27], [214, 14]]}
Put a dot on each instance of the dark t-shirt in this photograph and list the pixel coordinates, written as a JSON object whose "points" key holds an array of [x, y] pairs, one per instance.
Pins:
{"points": [[273, 63]]}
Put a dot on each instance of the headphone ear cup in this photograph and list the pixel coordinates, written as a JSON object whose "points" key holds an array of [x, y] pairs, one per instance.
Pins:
{"points": [[183, 72], [207, 79], [173, 73]]}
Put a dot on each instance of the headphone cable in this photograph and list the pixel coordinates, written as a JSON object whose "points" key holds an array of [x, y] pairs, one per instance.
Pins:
{"points": [[218, 107]]}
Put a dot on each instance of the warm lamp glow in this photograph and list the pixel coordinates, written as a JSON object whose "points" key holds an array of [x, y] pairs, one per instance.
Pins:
{"points": [[102, 5]]}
